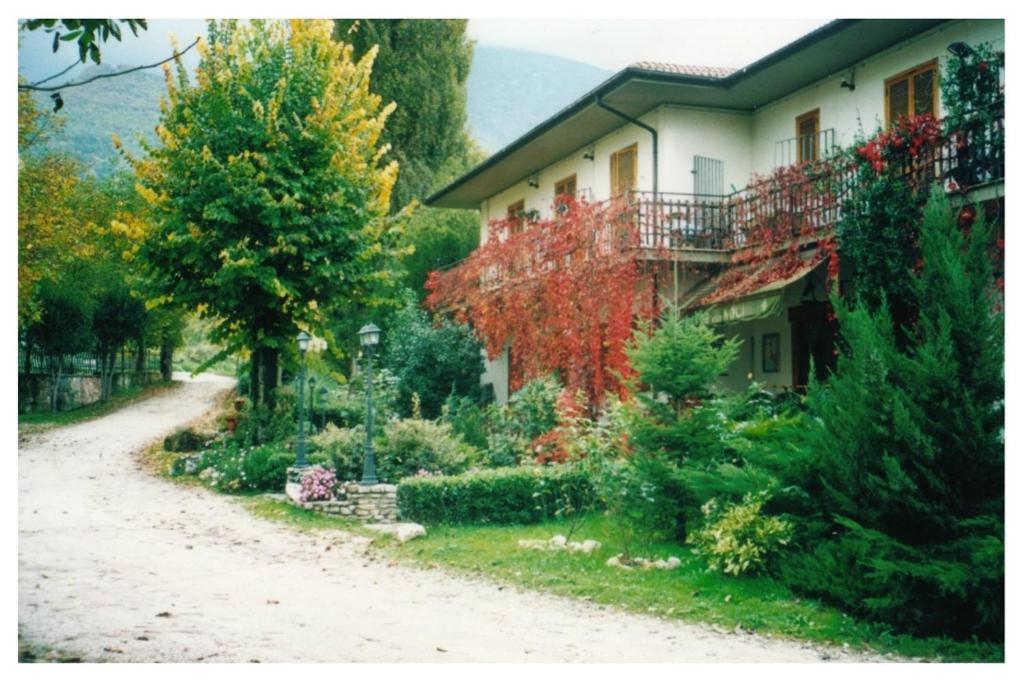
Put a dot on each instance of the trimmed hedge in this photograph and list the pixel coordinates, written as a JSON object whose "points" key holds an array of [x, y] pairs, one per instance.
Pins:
{"points": [[506, 495]]}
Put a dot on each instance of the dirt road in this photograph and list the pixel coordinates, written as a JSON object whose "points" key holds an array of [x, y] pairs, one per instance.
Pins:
{"points": [[118, 565]]}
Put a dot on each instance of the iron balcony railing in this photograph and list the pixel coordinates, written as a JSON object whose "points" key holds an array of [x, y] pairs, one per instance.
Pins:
{"points": [[973, 157], [811, 147]]}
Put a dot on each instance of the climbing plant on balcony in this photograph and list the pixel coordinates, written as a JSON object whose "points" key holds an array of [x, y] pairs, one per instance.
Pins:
{"points": [[560, 294], [777, 220], [971, 92], [878, 226]]}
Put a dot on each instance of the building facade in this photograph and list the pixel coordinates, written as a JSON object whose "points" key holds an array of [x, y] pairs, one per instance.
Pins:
{"points": [[686, 141]]}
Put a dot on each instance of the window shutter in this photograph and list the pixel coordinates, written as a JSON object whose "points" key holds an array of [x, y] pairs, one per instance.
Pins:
{"points": [[708, 176]]}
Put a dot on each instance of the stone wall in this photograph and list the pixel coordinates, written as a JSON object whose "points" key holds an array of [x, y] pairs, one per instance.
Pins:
{"points": [[377, 503], [76, 390]]}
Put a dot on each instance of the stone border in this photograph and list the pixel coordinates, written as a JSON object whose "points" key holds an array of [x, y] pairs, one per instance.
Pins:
{"points": [[377, 503]]}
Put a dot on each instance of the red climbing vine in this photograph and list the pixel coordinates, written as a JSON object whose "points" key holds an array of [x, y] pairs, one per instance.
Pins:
{"points": [[560, 293]]}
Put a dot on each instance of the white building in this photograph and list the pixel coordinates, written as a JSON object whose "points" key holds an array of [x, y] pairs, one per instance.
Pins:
{"points": [[678, 131]]}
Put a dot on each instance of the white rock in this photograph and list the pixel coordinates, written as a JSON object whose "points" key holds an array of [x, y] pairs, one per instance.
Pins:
{"points": [[589, 546], [402, 531], [558, 541], [532, 544], [673, 562]]}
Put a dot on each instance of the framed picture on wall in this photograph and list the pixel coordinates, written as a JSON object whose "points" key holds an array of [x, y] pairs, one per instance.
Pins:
{"points": [[770, 351]]}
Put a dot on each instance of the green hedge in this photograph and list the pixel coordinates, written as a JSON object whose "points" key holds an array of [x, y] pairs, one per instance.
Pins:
{"points": [[507, 495]]}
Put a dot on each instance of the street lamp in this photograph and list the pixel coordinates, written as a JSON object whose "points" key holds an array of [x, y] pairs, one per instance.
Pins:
{"points": [[323, 407], [300, 449], [312, 413], [369, 337]]}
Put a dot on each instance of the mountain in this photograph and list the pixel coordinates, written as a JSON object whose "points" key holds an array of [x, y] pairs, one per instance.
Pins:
{"points": [[127, 105], [509, 92]]}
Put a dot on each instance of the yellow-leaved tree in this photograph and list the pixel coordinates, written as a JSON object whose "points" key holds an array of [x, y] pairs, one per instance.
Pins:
{"points": [[267, 190]]}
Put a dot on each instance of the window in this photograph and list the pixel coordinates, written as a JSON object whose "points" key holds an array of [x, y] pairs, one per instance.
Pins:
{"points": [[517, 212], [807, 137], [912, 92], [566, 186], [624, 171], [770, 352]]}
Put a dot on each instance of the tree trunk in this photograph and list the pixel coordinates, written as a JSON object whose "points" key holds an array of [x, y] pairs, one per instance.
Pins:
{"points": [[166, 360], [54, 381], [140, 356], [270, 375], [254, 377]]}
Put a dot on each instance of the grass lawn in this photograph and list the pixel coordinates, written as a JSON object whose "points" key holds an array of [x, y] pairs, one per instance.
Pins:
{"points": [[42, 420], [761, 605]]}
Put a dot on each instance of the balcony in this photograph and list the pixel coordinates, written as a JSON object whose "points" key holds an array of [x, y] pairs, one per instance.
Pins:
{"points": [[820, 145], [709, 227]]}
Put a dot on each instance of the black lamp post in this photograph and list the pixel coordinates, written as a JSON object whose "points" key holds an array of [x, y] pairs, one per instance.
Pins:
{"points": [[323, 407], [300, 448], [312, 385], [369, 337]]}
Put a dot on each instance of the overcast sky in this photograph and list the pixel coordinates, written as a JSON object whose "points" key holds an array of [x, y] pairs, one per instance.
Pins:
{"points": [[608, 43], [615, 43]]}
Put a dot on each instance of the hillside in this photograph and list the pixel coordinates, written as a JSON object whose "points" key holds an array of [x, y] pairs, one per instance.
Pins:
{"points": [[509, 92], [126, 105]]}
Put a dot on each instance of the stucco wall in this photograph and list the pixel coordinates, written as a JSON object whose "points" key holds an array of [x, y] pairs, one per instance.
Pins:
{"points": [[685, 131], [591, 176], [848, 112]]}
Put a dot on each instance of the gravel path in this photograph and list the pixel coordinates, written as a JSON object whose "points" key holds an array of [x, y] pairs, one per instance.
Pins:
{"points": [[118, 565]]}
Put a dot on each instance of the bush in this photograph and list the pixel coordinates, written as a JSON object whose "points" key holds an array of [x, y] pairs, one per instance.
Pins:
{"points": [[410, 446], [346, 407], [402, 448], [509, 495], [185, 440], [431, 361], [468, 419], [343, 448], [264, 425], [738, 539], [231, 468], [530, 413]]}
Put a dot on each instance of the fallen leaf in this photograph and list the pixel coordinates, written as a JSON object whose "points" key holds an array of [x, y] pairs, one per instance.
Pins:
{"points": [[441, 649], [163, 614]]}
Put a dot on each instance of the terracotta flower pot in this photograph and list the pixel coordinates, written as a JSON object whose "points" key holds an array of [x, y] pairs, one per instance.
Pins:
{"points": [[232, 423]]}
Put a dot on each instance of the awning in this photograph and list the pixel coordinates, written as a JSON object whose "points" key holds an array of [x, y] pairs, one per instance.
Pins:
{"points": [[744, 293]]}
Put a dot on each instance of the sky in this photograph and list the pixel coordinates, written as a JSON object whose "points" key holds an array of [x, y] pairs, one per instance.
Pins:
{"points": [[607, 43]]}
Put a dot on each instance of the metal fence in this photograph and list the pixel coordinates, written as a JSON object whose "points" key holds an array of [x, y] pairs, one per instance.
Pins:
{"points": [[86, 364]]}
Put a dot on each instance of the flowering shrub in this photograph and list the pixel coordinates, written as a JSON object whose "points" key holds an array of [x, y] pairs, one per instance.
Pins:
{"points": [[902, 142], [233, 468], [738, 539], [318, 483]]}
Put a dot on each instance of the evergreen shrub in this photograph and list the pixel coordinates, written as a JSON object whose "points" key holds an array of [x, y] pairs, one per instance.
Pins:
{"points": [[508, 495]]}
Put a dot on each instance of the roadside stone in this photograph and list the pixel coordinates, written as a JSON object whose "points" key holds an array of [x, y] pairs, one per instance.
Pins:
{"points": [[402, 531]]}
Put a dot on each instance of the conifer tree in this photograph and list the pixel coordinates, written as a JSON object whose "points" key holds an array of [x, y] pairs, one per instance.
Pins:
{"points": [[911, 449]]}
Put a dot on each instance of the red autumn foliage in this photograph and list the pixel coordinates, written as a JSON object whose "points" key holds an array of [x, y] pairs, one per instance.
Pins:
{"points": [[561, 292], [778, 216]]}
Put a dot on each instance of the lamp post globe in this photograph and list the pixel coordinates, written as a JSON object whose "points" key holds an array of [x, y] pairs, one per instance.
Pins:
{"points": [[369, 337]]}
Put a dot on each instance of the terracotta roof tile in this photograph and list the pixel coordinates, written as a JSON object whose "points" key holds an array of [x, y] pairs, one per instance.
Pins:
{"points": [[685, 69]]}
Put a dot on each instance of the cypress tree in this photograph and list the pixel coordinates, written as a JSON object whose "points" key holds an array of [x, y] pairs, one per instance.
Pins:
{"points": [[911, 450]]}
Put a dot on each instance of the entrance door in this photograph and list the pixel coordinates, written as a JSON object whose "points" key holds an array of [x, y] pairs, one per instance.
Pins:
{"points": [[813, 338]]}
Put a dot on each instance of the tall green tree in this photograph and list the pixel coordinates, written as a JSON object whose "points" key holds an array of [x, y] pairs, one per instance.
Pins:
{"points": [[268, 189], [911, 451], [421, 65]]}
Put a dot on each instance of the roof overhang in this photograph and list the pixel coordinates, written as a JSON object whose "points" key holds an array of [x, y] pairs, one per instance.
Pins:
{"points": [[834, 47]]}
